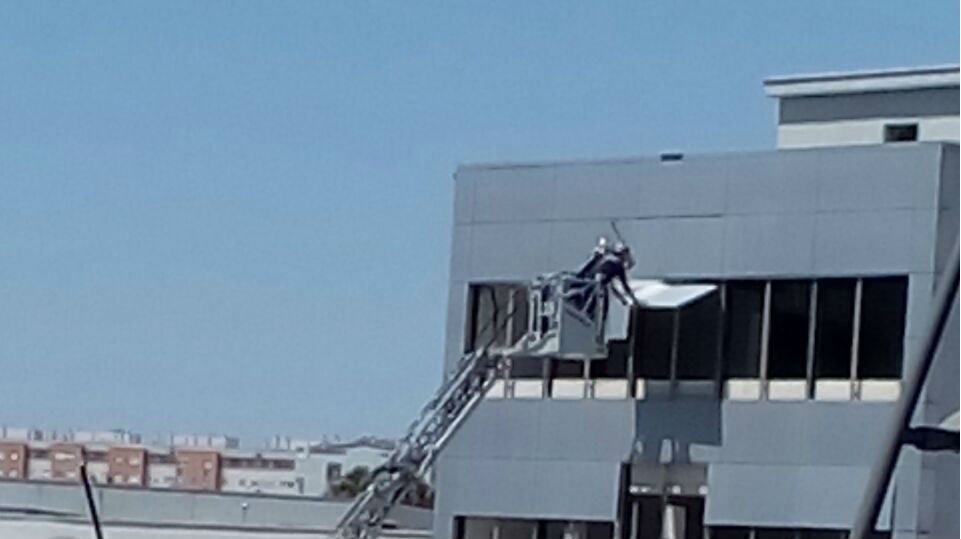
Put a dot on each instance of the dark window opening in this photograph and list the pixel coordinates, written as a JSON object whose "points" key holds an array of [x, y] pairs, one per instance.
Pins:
{"points": [[648, 516], [459, 528], [693, 511], [698, 337], [730, 532], [554, 529], [823, 534], [567, 368], [497, 315], [739, 532], [653, 330], [787, 346], [615, 366], [834, 328], [881, 337], [599, 530], [564, 368], [742, 346], [643, 516], [775, 533], [519, 306], [527, 368], [901, 133]]}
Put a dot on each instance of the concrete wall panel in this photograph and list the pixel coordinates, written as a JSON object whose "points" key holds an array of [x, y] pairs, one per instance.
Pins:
{"points": [[768, 244]]}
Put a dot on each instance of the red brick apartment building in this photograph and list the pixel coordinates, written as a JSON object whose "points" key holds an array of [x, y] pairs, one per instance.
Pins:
{"points": [[198, 469], [305, 471], [65, 460], [13, 460], [127, 466]]}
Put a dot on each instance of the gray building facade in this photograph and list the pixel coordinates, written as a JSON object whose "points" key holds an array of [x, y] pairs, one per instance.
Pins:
{"points": [[757, 411]]}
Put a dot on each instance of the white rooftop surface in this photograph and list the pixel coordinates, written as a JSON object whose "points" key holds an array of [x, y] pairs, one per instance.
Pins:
{"points": [[40, 529], [863, 81]]}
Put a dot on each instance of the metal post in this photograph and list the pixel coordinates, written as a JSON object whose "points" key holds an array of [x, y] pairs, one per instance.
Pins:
{"points": [[547, 378], [812, 337], [91, 505], [675, 343], [916, 372], [765, 336], [721, 339], [588, 385], [856, 340]]}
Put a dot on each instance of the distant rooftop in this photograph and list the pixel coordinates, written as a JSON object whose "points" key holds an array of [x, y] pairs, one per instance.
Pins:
{"points": [[878, 80], [368, 442]]}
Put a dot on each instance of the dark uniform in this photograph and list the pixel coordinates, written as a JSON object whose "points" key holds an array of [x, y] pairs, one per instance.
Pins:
{"points": [[604, 267]]}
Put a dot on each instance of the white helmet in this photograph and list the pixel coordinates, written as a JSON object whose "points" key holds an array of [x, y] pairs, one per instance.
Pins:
{"points": [[602, 245], [624, 253]]}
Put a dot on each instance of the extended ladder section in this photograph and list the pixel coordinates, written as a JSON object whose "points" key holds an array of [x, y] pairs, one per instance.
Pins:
{"points": [[414, 455], [567, 321]]}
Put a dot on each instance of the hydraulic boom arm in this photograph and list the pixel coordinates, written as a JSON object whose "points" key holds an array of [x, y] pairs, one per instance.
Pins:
{"points": [[566, 321], [415, 454]]}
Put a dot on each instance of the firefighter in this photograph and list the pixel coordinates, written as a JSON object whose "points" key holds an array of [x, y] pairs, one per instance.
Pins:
{"points": [[606, 269]]}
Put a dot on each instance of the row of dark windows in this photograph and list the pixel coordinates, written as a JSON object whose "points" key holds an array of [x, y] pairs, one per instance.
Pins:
{"points": [[835, 328], [738, 532], [643, 516], [465, 527]]}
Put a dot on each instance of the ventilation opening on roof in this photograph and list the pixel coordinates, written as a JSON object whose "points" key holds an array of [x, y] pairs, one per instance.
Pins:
{"points": [[901, 133]]}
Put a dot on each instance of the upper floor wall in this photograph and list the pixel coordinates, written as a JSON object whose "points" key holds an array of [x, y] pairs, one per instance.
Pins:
{"points": [[809, 212], [826, 212], [875, 107]]}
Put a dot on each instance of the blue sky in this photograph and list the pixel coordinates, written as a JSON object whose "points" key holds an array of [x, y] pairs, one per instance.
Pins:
{"points": [[235, 216]]}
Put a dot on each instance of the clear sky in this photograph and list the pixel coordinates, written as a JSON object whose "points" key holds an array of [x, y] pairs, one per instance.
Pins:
{"points": [[235, 216]]}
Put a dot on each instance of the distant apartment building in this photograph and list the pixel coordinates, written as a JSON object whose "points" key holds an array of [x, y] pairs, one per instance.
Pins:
{"points": [[13, 460], [21, 434], [204, 440], [268, 472], [116, 436], [327, 463], [65, 460], [196, 462], [161, 468], [198, 469], [127, 466]]}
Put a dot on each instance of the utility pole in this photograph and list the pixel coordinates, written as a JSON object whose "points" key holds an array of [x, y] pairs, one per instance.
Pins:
{"points": [[91, 505]]}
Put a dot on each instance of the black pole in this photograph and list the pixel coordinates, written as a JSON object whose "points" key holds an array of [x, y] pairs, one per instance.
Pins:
{"points": [[915, 375], [91, 506]]}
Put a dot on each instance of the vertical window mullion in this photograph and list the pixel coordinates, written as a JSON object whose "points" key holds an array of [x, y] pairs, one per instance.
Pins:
{"points": [[509, 314], [856, 329], [765, 336], [675, 341], [546, 378], [812, 326], [588, 387], [721, 339]]}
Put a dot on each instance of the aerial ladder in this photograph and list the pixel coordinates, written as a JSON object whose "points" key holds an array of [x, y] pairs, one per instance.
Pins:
{"points": [[567, 320]]}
